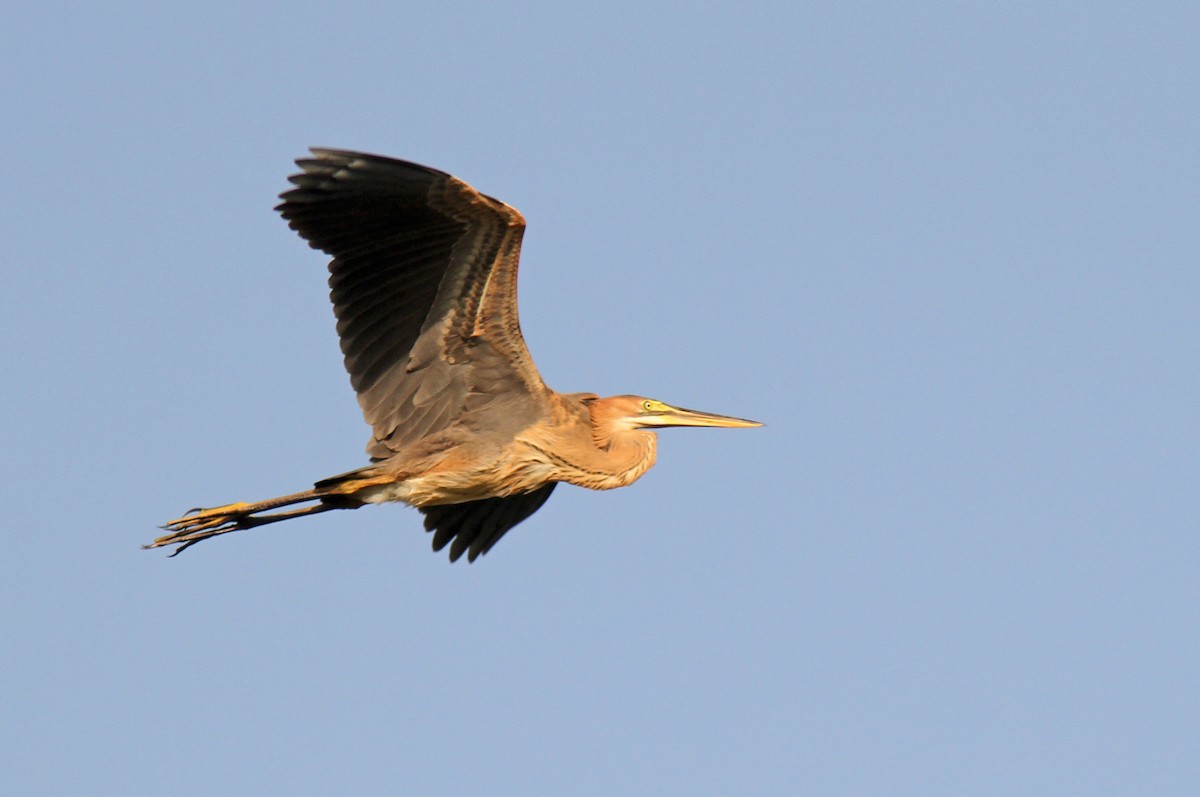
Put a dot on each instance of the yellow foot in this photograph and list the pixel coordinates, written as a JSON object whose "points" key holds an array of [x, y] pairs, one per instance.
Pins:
{"points": [[200, 524]]}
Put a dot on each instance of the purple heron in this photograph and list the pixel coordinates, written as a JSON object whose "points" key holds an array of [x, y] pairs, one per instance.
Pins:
{"points": [[424, 286]]}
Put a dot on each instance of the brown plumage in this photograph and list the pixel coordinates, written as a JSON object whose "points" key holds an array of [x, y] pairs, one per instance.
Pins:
{"points": [[424, 286]]}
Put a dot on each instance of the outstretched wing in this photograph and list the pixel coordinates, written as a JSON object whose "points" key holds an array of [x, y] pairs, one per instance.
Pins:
{"points": [[477, 525], [424, 285]]}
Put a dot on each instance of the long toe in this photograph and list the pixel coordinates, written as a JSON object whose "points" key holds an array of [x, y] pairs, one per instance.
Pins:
{"points": [[200, 524]]}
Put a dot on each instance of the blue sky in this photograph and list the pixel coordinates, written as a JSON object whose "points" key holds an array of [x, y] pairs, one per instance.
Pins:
{"points": [[947, 253]]}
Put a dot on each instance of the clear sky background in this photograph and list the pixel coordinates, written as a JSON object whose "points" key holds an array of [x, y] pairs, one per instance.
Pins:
{"points": [[949, 254]]}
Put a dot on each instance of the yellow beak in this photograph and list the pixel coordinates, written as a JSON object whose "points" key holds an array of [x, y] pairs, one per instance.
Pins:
{"points": [[677, 416]]}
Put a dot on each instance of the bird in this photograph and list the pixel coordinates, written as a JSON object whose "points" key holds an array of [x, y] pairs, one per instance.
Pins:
{"points": [[423, 281]]}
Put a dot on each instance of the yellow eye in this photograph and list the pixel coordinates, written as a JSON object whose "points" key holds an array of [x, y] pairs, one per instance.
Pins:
{"points": [[647, 406]]}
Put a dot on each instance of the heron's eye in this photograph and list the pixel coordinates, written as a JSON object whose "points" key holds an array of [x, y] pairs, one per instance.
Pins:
{"points": [[647, 405]]}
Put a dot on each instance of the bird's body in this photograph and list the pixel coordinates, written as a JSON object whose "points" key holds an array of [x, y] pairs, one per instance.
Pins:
{"points": [[423, 283], [461, 464]]}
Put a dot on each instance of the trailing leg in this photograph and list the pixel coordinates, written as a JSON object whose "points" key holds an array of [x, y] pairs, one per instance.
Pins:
{"points": [[201, 524]]}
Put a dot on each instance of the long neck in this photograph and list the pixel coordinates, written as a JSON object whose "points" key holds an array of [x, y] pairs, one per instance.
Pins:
{"points": [[581, 452], [615, 462]]}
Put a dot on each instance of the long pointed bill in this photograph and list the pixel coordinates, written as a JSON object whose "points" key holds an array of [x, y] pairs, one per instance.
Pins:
{"points": [[677, 416]]}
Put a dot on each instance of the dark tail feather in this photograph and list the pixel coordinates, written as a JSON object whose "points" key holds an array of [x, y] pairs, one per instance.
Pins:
{"points": [[475, 526]]}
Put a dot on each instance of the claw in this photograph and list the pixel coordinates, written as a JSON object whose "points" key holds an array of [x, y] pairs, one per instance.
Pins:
{"points": [[199, 524], [183, 548]]}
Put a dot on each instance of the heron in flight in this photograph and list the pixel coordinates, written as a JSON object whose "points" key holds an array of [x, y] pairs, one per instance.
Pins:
{"points": [[424, 286]]}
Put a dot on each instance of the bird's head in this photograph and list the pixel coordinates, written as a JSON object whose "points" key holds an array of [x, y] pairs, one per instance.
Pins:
{"points": [[630, 413]]}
